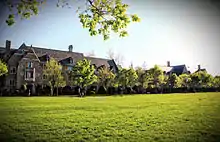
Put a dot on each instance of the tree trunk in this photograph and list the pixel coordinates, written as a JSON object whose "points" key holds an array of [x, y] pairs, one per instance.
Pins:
{"points": [[57, 91], [51, 91]]}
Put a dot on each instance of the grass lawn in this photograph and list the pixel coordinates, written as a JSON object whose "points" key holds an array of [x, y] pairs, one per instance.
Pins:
{"points": [[160, 118]]}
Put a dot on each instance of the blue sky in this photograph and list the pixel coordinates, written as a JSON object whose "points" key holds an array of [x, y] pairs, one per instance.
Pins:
{"points": [[181, 31]]}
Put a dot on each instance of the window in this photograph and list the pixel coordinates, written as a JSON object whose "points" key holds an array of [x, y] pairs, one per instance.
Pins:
{"points": [[29, 74], [69, 68], [29, 65], [12, 70], [44, 76], [12, 82], [71, 61]]}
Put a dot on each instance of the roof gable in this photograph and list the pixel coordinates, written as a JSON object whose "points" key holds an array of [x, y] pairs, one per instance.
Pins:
{"points": [[98, 61], [56, 54], [179, 69]]}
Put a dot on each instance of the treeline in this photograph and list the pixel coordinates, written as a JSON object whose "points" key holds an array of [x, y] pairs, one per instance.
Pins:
{"points": [[103, 81]]}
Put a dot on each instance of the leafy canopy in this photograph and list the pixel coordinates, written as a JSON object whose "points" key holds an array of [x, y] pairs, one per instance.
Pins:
{"points": [[156, 77], [184, 80], [174, 81], [98, 16], [143, 77], [201, 79], [53, 74], [127, 77], [106, 77], [83, 74], [3, 68], [216, 82]]}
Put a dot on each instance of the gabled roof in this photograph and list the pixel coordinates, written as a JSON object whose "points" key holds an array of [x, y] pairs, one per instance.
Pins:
{"points": [[67, 61], [178, 69], [56, 54], [98, 61]]}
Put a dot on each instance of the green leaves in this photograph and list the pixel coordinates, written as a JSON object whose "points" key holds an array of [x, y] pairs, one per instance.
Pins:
{"points": [[22, 8], [127, 77], [100, 17], [53, 74], [201, 79], [174, 81], [83, 74], [185, 80], [3, 68], [106, 77], [10, 21], [135, 18]]}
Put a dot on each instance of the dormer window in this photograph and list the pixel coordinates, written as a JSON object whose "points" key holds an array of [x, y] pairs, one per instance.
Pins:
{"points": [[71, 60], [29, 65], [69, 68], [47, 57]]}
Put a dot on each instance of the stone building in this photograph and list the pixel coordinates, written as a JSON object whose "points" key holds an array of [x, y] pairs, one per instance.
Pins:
{"points": [[25, 64]]}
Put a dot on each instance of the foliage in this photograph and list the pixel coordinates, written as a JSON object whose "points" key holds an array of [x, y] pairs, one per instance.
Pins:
{"points": [[185, 80], [174, 81], [156, 77], [216, 82], [143, 77], [138, 118], [53, 74], [205, 79], [83, 74], [3, 68], [98, 16], [106, 77], [201, 79], [127, 77]]}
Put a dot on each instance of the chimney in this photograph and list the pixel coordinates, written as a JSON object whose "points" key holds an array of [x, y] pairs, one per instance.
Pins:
{"points": [[168, 63], [199, 67], [8, 45], [70, 48]]}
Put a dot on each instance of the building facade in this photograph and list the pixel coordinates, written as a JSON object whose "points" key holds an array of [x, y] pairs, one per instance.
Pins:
{"points": [[26, 63]]}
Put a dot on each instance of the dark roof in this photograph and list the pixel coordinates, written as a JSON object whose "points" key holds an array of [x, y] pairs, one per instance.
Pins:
{"points": [[9, 54], [67, 61], [56, 54], [99, 61], [178, 69]]}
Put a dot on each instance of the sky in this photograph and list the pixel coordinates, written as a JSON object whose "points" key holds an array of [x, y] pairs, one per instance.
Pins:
{"points": [[179, 31]]}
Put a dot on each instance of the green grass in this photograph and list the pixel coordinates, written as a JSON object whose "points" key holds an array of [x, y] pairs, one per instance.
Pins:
{"points": [[160, 118]]}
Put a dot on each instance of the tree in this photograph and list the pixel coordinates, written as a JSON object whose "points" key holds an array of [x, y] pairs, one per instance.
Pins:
{"points": [[106, 77], [185, 80], [201, 79], [143, 77], [3, 68], [127, 77], [53, 75], [205, 78], [98, 16], [83, 74], [174, 81], [216, 82], [156, 77]]}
